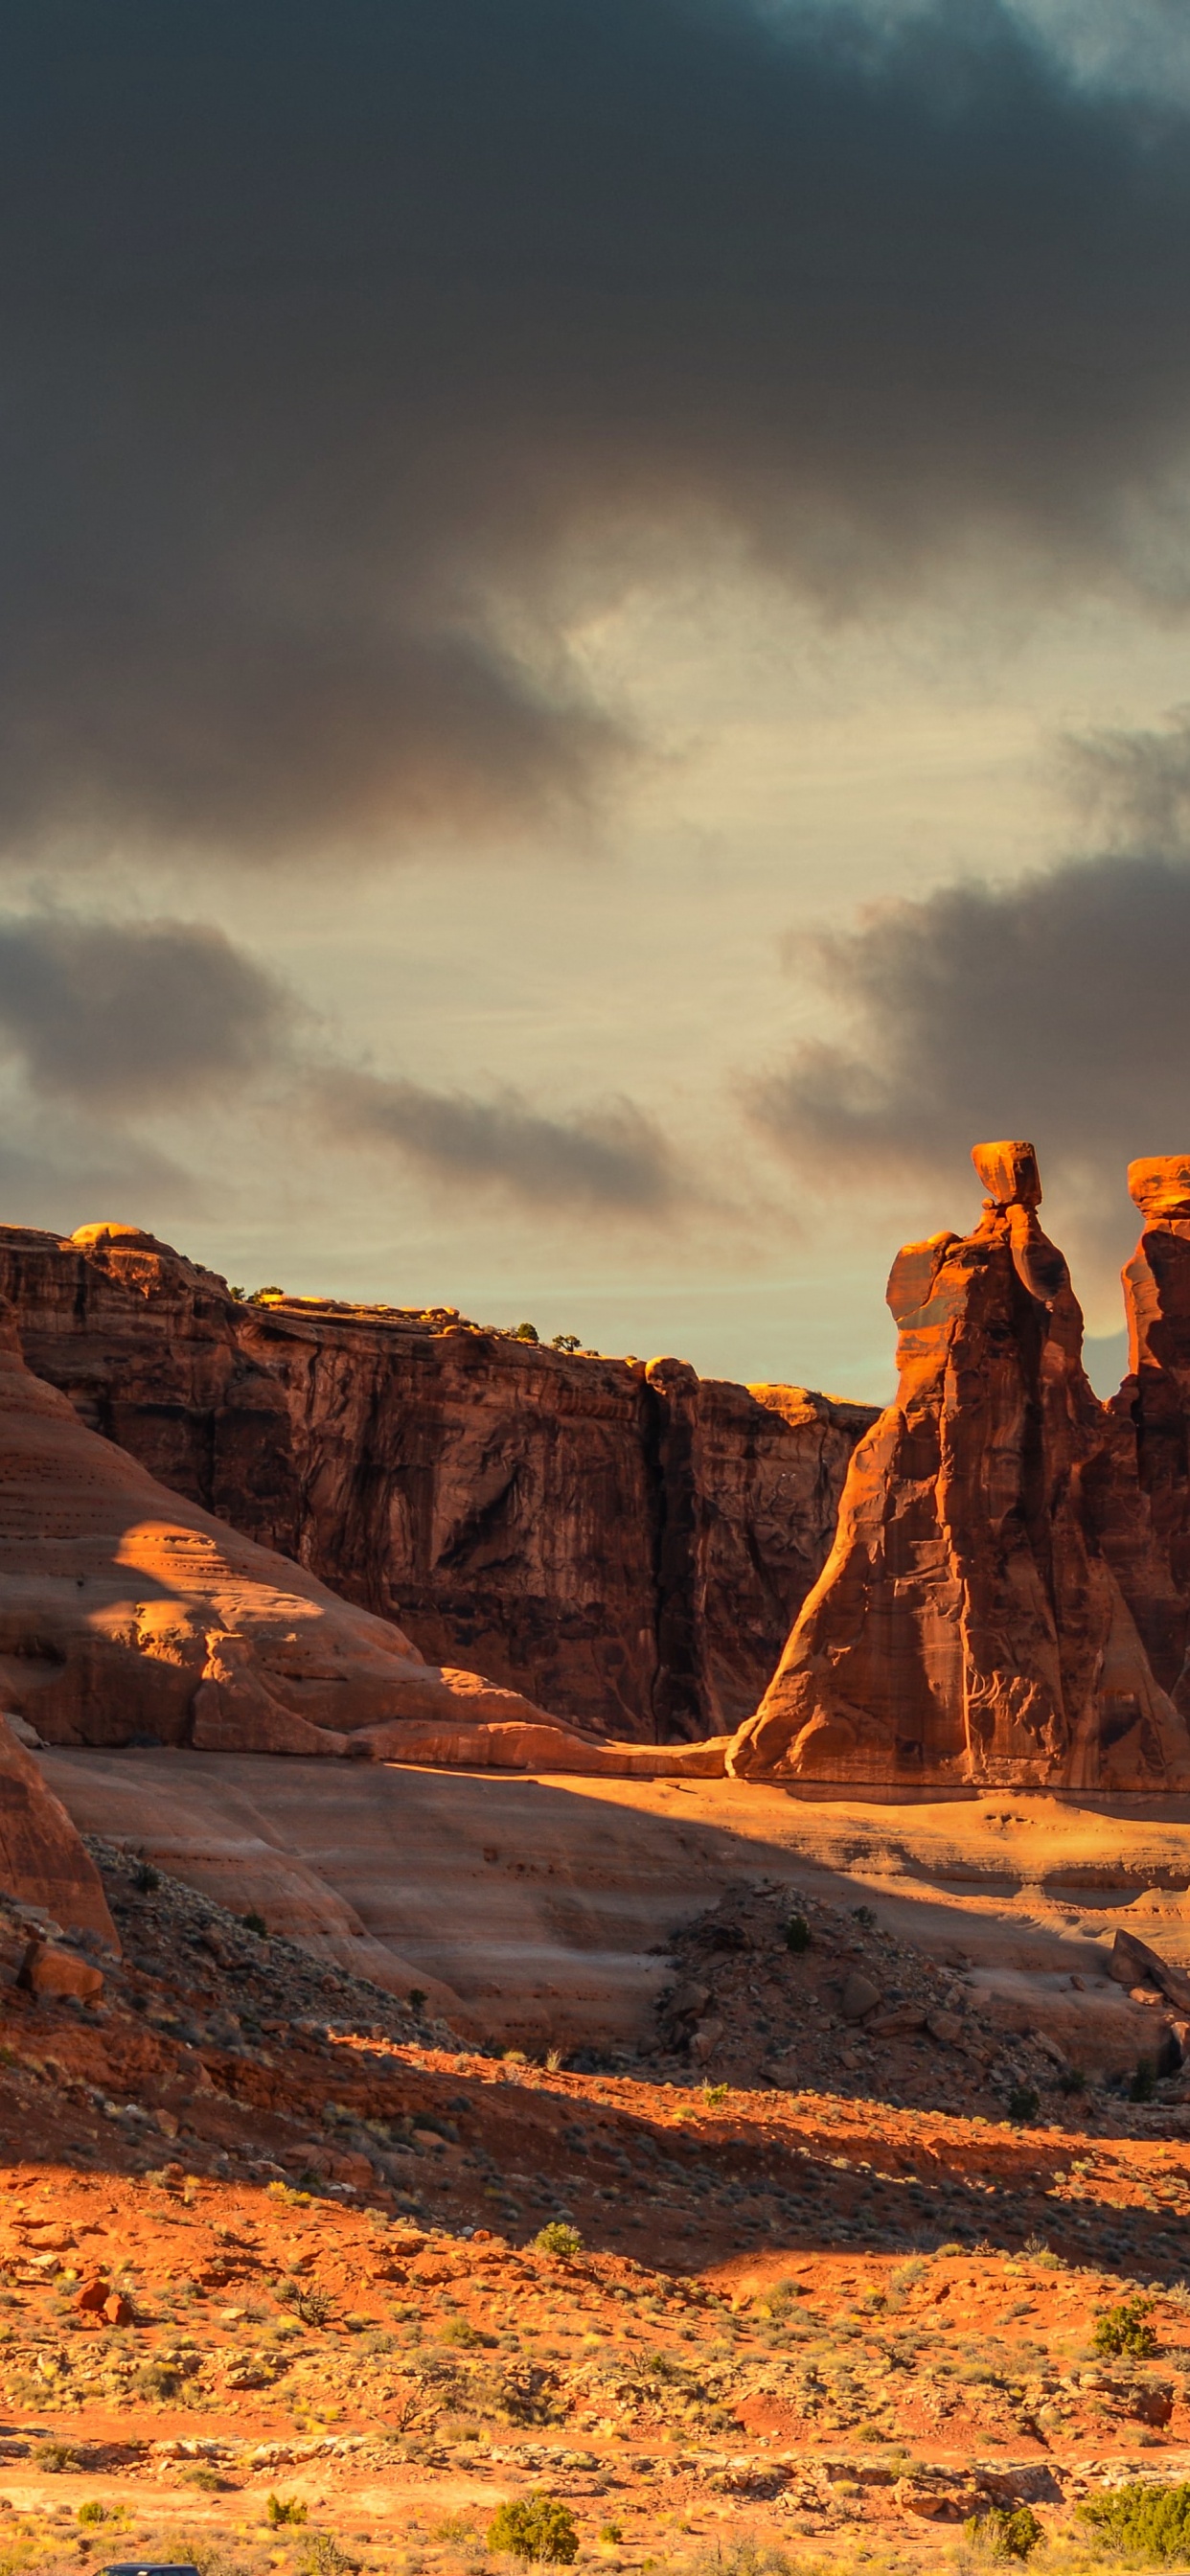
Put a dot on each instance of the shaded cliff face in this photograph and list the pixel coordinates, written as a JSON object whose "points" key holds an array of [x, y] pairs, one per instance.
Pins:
{"points": [[624, 1544], [975, 1621]]}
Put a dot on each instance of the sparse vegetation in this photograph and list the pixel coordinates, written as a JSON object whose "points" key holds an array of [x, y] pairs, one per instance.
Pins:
{"points": [[535, 2528], [1144, 2081], [1005, 2532], [558, 2237], [1024, 2106], [1124, 2329], [1142, 2521], [797, 1933], [280, 2510]]}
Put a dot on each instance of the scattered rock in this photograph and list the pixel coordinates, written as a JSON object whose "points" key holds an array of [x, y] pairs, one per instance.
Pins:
{"points": [[859, 1996]]}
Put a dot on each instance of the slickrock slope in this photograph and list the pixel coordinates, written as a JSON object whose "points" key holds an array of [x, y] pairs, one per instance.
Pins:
{"points": [[973, 1621], [127, 1611], [625, 1544]]}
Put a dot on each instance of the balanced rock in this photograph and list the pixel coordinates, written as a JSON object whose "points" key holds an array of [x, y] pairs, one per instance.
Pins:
{"points": [[971, 1622]]}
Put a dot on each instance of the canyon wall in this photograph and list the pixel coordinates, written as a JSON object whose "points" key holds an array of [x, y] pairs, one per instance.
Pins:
{"points": [[624, 1544], [1008, 1598], [128, 1615]]}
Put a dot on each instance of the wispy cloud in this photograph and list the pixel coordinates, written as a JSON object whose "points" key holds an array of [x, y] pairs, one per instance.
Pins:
{"points": [[610, 1158]]}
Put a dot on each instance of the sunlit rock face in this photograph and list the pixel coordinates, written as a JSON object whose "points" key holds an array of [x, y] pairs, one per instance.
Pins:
{"points": [[621, 1542], [127, 1612], [979, 1616]]}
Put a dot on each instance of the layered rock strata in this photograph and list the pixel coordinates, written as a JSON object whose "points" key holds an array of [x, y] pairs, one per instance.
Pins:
{"points": [[127, 1614], [625, 1544], [980, 1615]]}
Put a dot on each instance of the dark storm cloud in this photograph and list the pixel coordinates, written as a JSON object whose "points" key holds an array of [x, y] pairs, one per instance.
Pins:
{"points": [[131, 1018], [1053, 1008], [327, 331], [612, 1159]]}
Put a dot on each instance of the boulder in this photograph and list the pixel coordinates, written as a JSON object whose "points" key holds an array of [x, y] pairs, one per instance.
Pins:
{"points": [[973, 1621], [51, 1972], [1131, 1962], [859, 1996]]}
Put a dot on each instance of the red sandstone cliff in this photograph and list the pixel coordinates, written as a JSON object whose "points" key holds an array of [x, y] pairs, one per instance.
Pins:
{"points": [[624, 1544], [997, 1556], [126, 1612]]}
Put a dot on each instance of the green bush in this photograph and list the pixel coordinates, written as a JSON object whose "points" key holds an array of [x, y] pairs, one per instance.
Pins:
{"points": [[1072, 2080], [1023, 2106], [558, 2238], [1146, 2521], [797, 1933], [284, 2509], [256, 1923], [1003, 2533], [1144, 2082], [94, 2512], [1124, 2329], [535, 2527]]}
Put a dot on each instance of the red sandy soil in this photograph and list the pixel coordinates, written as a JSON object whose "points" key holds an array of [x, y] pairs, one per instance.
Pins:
{"points": [[793, 2313]]}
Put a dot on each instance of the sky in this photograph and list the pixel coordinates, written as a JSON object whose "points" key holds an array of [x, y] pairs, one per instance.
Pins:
{"points": [[595, 645]]}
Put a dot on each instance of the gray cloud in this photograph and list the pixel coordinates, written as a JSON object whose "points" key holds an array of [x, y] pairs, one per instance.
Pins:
{"points": [[1052, 1008], [1134, 786], [328, 339], [116, 1022], [132, 1017], [611, 1158]]}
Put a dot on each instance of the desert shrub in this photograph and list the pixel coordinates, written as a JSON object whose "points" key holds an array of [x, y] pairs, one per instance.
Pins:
{"points": [[159, 2379], [1005, 2532], [145, 1879], [714, 2095], [613, 2531], [459, 2330], [744, 2557], [1072, 2080], [1124, 2329], [535, 2527], [285, 2509], [1024, 2105], [319, 2554], [1144, 2081], [557, 2237], [254, 1922], [1144, 2521], [92, 2512], [797, 1933], [864, 1916]]}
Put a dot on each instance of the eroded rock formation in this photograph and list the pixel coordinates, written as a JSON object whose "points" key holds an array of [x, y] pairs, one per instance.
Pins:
{"points": [[43, 1860], [978, 1616], [128, 1613], [624, 1544]]}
